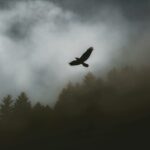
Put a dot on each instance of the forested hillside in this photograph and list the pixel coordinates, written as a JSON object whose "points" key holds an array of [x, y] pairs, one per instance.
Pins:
{"points": [[93, 112]]}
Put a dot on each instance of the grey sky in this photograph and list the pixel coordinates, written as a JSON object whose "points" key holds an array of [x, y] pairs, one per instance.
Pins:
{"points": [[39, 38]]}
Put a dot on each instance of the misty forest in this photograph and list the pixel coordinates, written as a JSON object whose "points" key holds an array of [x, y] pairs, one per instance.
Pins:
{"points": [[111, 110], [74, 74]]}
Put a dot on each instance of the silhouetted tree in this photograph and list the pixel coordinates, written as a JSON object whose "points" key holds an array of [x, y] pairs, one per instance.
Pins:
{"points": [[89, 79], [6, 107], [79, 99], [22, 105], [38, 107], [41, 110]]}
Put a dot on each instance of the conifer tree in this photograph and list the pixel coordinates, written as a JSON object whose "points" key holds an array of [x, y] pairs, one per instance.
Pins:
{"points": [[22, 104], [6, 107]]}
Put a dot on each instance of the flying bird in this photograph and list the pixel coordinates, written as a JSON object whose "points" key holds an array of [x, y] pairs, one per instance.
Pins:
{"points": [[82, 59]]}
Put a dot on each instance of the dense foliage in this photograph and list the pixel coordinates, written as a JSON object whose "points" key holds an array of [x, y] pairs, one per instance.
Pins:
{"points": [[106, 106]]}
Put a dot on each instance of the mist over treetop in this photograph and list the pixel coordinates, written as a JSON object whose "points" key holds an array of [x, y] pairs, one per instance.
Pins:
{"points": [[33, 33]]}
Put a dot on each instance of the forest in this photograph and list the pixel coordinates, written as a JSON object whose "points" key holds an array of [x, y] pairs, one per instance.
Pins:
{"points": [[100, 112]]}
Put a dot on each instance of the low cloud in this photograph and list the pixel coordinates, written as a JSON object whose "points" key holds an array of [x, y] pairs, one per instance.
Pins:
{"points": [[39, 38]]}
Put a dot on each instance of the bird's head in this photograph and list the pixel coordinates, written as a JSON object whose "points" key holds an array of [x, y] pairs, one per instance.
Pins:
{"points": [[91, 48]]}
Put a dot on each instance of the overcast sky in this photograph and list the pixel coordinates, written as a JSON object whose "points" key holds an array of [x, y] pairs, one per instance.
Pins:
{"points": [[39, 38]]}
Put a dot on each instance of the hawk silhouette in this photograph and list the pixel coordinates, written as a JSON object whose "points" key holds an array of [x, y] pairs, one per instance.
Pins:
{"points": [[82, 59]]}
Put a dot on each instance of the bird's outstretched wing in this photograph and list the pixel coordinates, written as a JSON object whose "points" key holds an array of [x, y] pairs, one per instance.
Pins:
{"points": [[87, 54], [75, 62]]}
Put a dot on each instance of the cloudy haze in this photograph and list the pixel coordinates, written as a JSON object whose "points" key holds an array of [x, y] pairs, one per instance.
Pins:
{"points": [[39, 38]]}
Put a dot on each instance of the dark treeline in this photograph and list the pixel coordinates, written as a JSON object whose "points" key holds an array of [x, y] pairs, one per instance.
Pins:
{"points": [[93, 114]]}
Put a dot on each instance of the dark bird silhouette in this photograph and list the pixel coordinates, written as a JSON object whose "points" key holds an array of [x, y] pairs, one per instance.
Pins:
{"points": [[82, 59]]}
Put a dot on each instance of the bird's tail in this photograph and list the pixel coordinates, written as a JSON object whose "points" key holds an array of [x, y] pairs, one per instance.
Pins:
{"points": [[85, 65]]}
